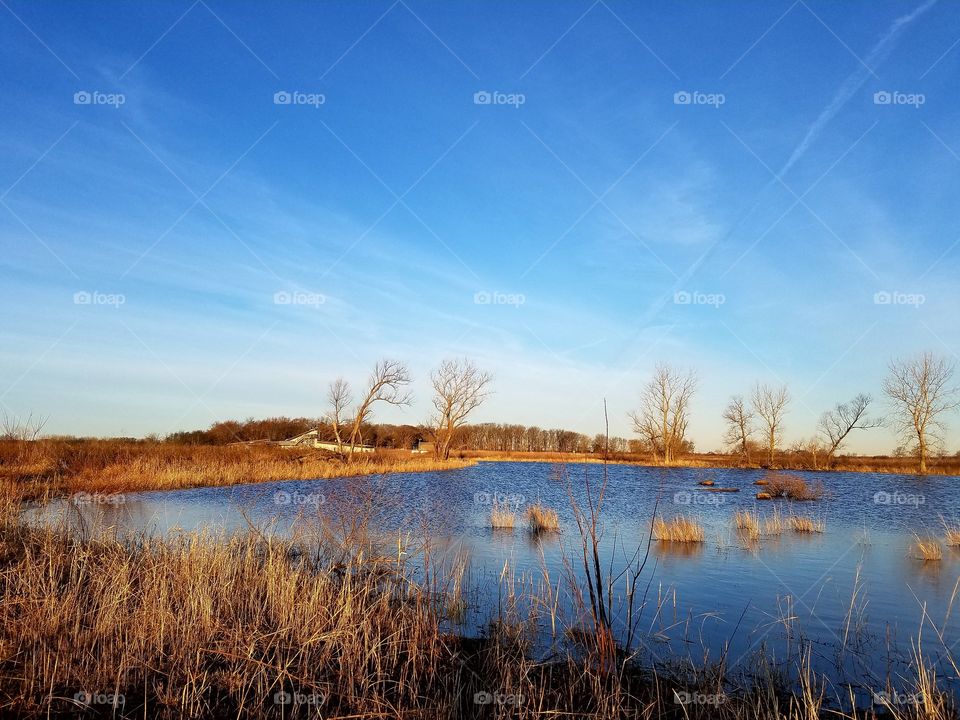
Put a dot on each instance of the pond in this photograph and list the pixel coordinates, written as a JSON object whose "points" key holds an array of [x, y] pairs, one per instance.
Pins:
{"points": [[852, 597]]}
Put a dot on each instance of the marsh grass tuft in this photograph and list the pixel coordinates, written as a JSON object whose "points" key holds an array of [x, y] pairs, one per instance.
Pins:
{"points": [[774, 523], [951, 532], [502, 517], [678, 529], [793, 487], [746, 520], [927, 549], [542, 519], [806, 524]]}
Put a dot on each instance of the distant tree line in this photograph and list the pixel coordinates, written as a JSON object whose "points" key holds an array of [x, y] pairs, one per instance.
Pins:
{"points": [[486, 436], [920, 391]]}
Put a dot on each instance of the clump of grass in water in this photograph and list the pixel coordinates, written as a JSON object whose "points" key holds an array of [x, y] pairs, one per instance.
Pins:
{"points": [[678, 529], [748, 526], [501, 516], [747, 523], [927, 549], [542, 519], [806, 524], [793, 487], [774, 525], [951, 532]]}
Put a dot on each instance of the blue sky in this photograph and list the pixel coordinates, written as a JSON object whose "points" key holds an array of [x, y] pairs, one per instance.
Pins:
{"points": [[554, 234]]}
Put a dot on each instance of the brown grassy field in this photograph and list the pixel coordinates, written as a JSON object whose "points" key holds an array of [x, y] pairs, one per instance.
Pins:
{"points": [[56, 467], [787, 461]]}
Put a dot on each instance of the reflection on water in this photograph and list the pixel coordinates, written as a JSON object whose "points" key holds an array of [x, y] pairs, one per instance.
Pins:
{"points": [[678, 549], [850, 591]]}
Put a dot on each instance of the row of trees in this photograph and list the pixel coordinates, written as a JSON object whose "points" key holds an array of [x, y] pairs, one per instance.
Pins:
{"points": [[920, 391], [503, 437]]}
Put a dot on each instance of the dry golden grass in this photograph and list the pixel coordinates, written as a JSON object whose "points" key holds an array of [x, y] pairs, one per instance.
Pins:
{"points": [[866, 464], [793, 487], [951, 532], [774, 524], [678, 529], [198, 626], [748, 525], [108, 466], [746, 520], [501, 516], [806, 524], [927, 549], [952, 536], [542, 519]]}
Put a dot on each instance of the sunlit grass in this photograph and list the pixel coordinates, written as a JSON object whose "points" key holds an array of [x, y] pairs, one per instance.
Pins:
{"points": [[678, 529], [542, 519], [793, 487], [774, 523], [501, 516], [927, 549], [806, 524], [62, 467], [746, 520], [951, 532]]}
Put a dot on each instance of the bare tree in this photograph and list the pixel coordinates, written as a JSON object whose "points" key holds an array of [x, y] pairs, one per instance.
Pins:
{"points": [[921, 392], [664, 411], [459, 388], [339, 397], [739, 418], [846, 417], [24, 429], [386, 384], [771, 405]]}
